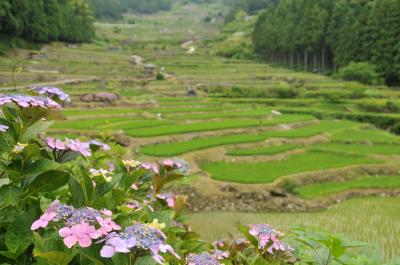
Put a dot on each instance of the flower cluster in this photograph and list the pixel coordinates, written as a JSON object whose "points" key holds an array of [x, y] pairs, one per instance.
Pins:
{"points": [[62, 148], [3, 128], [268, 238], [53, 93], [202, 259], [101, 172], [24, 101], [81, 226], [176, 164], [138, 236]]}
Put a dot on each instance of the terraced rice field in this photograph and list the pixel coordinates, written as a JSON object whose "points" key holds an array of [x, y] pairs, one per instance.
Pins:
{"points": [[267, 172], [353, 218]]}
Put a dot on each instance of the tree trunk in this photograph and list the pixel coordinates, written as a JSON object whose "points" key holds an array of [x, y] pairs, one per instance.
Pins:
{"points": [[305, 60], [298, 61], [323, 59], [315, 63]]}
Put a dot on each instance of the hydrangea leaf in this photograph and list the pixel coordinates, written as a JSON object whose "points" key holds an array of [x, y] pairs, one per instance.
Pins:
{"points": [[48, 181]]}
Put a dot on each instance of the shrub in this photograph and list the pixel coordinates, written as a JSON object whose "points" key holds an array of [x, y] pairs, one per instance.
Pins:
{"points": [[379, 105], [362, 72], [160, 76]]}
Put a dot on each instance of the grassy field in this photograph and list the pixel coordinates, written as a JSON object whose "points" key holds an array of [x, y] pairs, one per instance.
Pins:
{"points": [[269, 150], [178, 148], [373, 220], [383, 149], [267, 172], [216, 125], [328, 188]]}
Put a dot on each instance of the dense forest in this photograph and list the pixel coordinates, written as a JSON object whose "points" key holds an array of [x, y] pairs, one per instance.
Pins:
{"points": [[44, 20], [113, 9], [322, 35]]}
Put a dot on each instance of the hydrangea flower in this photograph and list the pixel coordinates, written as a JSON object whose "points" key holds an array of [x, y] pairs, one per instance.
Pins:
{"points": [[24, 101], [268, 236], [43, 221], [138, 236], [3, 128], [18, 148], [220, 255], [102, 145], [131, 164], [81, 234], [202, 259], [107, 225], [61, 148], [169, 198], [101, 172], [53, 93], [176, 164], [151, 166], [80, 147]]}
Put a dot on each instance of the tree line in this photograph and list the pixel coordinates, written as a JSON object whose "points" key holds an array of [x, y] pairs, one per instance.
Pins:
{"points": [[45, 20], [113, 9], [322, 35]]}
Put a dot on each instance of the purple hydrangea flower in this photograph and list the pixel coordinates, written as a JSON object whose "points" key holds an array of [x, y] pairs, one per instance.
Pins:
{"points": [[24, 101], [3, 128], [140, 236], [104, 146], [268, 237], [151, 166], [202, 259], [53, 93], [80, 147], [169, 198]]}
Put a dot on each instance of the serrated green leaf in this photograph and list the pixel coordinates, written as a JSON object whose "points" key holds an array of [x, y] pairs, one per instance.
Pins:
{"points": [[78, 196]]}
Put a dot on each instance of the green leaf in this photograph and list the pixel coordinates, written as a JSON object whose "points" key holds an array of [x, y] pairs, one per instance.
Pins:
{"points": [[9, 195], [37, 167], [48, 181], [78, 196], [145, 261], [54, 257], [35, 129], [18, 236]]}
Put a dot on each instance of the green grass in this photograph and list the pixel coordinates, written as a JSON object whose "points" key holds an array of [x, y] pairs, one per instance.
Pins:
{"points": [[383, 149], [268, 150], [327, 188], [215, 125], [99, 111], [371, 135], [178, 148], [373, 220], [195, 109], [267, 172], [91, 123], [227, 114]]}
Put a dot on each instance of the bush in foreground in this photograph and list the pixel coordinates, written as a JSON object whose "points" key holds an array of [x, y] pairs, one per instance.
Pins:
{"points": [[67, 201]]}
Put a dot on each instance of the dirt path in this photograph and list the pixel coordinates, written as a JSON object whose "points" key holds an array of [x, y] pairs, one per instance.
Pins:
{"points": [[54, 83]]}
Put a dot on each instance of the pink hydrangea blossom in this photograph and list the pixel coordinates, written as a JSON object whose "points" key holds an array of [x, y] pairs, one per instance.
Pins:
{"points": [[169, 198], [107, 225], [106, 212], [151, 166], [81, 234], [43, 221], [24, 101]]}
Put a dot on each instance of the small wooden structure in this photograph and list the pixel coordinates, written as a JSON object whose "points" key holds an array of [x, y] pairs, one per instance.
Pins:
{"points": [[150, 70]]}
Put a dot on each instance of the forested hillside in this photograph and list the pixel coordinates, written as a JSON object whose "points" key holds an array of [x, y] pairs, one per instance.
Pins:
{"points": [[44, 20], [115, 8], [324, 34]]}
